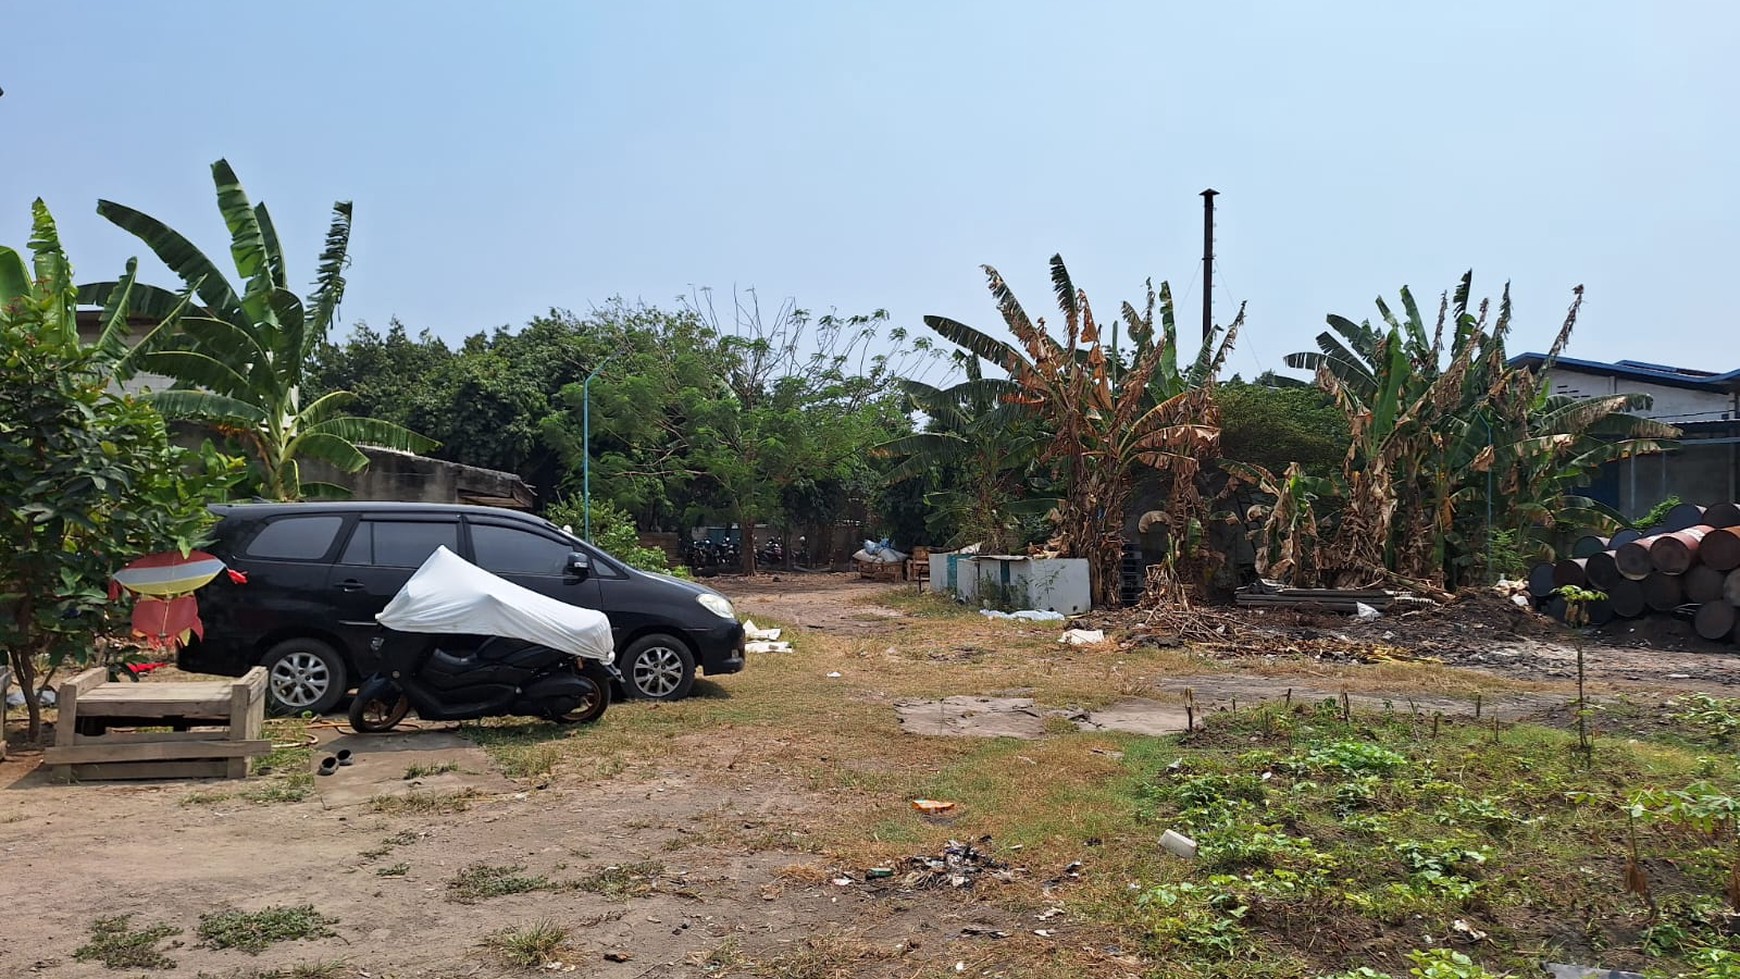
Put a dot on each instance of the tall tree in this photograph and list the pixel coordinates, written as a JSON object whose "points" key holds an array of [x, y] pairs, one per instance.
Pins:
{"points": [[240, 360], [89, 479]]}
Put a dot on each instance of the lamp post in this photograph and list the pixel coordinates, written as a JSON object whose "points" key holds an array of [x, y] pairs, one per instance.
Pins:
{"points": [[586, 445]]}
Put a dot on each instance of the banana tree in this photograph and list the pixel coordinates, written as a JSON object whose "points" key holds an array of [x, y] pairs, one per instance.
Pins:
{"points": [[983, 452], [1446, 430], [239, 358], [46, 284], [1101, 419]]}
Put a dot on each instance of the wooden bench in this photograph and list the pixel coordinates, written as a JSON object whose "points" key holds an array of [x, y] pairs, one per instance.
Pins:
{"points": [[216, 727]]}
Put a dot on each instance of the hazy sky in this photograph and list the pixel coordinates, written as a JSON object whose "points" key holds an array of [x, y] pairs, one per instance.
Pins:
{"points": [[505, 158]]}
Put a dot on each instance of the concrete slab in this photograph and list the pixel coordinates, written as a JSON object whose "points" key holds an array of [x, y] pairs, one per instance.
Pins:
{"points": [[972, 717], [1137, 715], [381, 760]]}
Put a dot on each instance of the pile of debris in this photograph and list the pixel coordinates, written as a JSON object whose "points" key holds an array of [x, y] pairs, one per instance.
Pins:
{"points": [[958, 865]]}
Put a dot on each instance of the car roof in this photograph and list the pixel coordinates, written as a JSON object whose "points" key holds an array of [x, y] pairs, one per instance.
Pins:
{"points": [[271, 509]]}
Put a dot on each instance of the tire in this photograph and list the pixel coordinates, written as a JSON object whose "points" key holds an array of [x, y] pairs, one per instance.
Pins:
{"points": [[592, 709], [304, 675], [657, 667], [374, 715]]}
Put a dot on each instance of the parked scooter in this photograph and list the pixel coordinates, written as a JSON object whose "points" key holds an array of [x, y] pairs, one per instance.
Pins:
{"points": [[458, 642]]}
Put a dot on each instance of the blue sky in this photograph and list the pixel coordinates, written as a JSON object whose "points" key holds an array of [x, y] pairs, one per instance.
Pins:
{"points": [[507, 158]]}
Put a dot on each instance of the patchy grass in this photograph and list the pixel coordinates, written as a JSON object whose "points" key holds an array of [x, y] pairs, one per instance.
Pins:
{"points": [[424, 771], [306, 970], [529, 760], [291, 787], [531, 947], [720, 959], [396, 870], [623, 881], [480, 881], [825, 956], [425, 803], [207, 797], [404, 837], [118, 945], [255, 931]]}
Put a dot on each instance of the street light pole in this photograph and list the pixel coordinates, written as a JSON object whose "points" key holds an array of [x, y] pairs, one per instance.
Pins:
{"points": [[586, 445]]}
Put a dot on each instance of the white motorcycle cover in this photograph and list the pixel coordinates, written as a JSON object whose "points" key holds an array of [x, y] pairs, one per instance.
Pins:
{"points": [[449, 594]]}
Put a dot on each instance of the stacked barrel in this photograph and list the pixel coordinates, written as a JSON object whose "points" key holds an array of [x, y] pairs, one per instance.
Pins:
{"points": [[1688, 565]]}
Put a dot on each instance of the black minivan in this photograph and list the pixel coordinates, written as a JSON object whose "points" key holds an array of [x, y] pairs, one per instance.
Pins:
{"points": [[318, 572]]}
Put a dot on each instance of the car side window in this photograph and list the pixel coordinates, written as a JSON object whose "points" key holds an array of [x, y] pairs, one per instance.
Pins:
{"points": [[407, 543], [361, 549], [295, 538], [508, 550]]}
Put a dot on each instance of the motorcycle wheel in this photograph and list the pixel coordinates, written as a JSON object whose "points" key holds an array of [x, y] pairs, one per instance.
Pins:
{"points": [[590, 709], [374, 715]]}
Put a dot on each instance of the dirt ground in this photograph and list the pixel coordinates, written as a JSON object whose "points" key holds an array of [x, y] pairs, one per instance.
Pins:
{"points": [[719, 820]]}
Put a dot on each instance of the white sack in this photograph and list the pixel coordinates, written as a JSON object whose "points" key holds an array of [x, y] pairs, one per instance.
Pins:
{"points": [[449, 594]]}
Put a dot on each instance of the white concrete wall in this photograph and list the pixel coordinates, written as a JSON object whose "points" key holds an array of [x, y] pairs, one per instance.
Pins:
{"points": [[1676, 406]]}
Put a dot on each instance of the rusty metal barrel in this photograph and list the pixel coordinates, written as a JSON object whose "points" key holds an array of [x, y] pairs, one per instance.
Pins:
{"points": [[1663, 592], [1621, 538], [1703, 584], [1588, 546], [1541, 580], [1601, 571], [1570, 571], [1673, 553], [1720, 549], [1682, 516], [1715, 620], [1723, 515], [1633, 558], [1626, 597]]}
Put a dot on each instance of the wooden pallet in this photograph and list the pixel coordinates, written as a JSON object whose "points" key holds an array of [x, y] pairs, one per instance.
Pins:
{"points": [[216, 728]]}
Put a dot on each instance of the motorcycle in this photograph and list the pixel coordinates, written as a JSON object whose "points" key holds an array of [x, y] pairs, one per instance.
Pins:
{"points": [[771, 553], [458, 642]]}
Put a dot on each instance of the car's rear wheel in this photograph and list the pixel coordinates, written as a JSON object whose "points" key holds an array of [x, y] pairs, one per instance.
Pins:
{"points": [[303, 675], [657, 667]]}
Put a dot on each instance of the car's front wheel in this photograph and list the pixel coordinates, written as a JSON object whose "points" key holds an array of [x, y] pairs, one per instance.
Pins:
{"points": [[657, 667], [303, 675]]}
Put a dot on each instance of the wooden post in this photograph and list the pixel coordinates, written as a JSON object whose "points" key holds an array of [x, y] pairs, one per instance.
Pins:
{"points": [[66, 702]]}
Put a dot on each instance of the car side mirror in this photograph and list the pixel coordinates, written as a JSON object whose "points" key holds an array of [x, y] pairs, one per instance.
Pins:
{"points": [[579, 565]]}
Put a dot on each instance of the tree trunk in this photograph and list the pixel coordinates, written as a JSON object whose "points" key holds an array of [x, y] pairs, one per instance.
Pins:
{"points": [[23, 661], [745, 543]]}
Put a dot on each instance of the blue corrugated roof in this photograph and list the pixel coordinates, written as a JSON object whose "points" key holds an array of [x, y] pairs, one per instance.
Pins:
{"points": [[1679, 377]]}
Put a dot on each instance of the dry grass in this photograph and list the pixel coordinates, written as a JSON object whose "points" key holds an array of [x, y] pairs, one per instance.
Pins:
{"points": [[824, 956], [534, 946], [425, 803]]}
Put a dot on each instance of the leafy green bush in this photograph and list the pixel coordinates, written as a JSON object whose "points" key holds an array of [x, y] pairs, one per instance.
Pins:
{"points": [[613, 530]]}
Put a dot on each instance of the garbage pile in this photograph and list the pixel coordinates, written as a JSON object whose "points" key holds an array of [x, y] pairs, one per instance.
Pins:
{"points": [[1688, 567], [878, 552], [958, 865]]}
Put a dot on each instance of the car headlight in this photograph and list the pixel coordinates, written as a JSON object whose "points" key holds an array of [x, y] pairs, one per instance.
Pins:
{"points": [[717, 604]]}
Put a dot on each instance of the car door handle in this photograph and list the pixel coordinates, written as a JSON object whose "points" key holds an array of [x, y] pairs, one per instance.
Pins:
{"points": [[349, 584]]}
